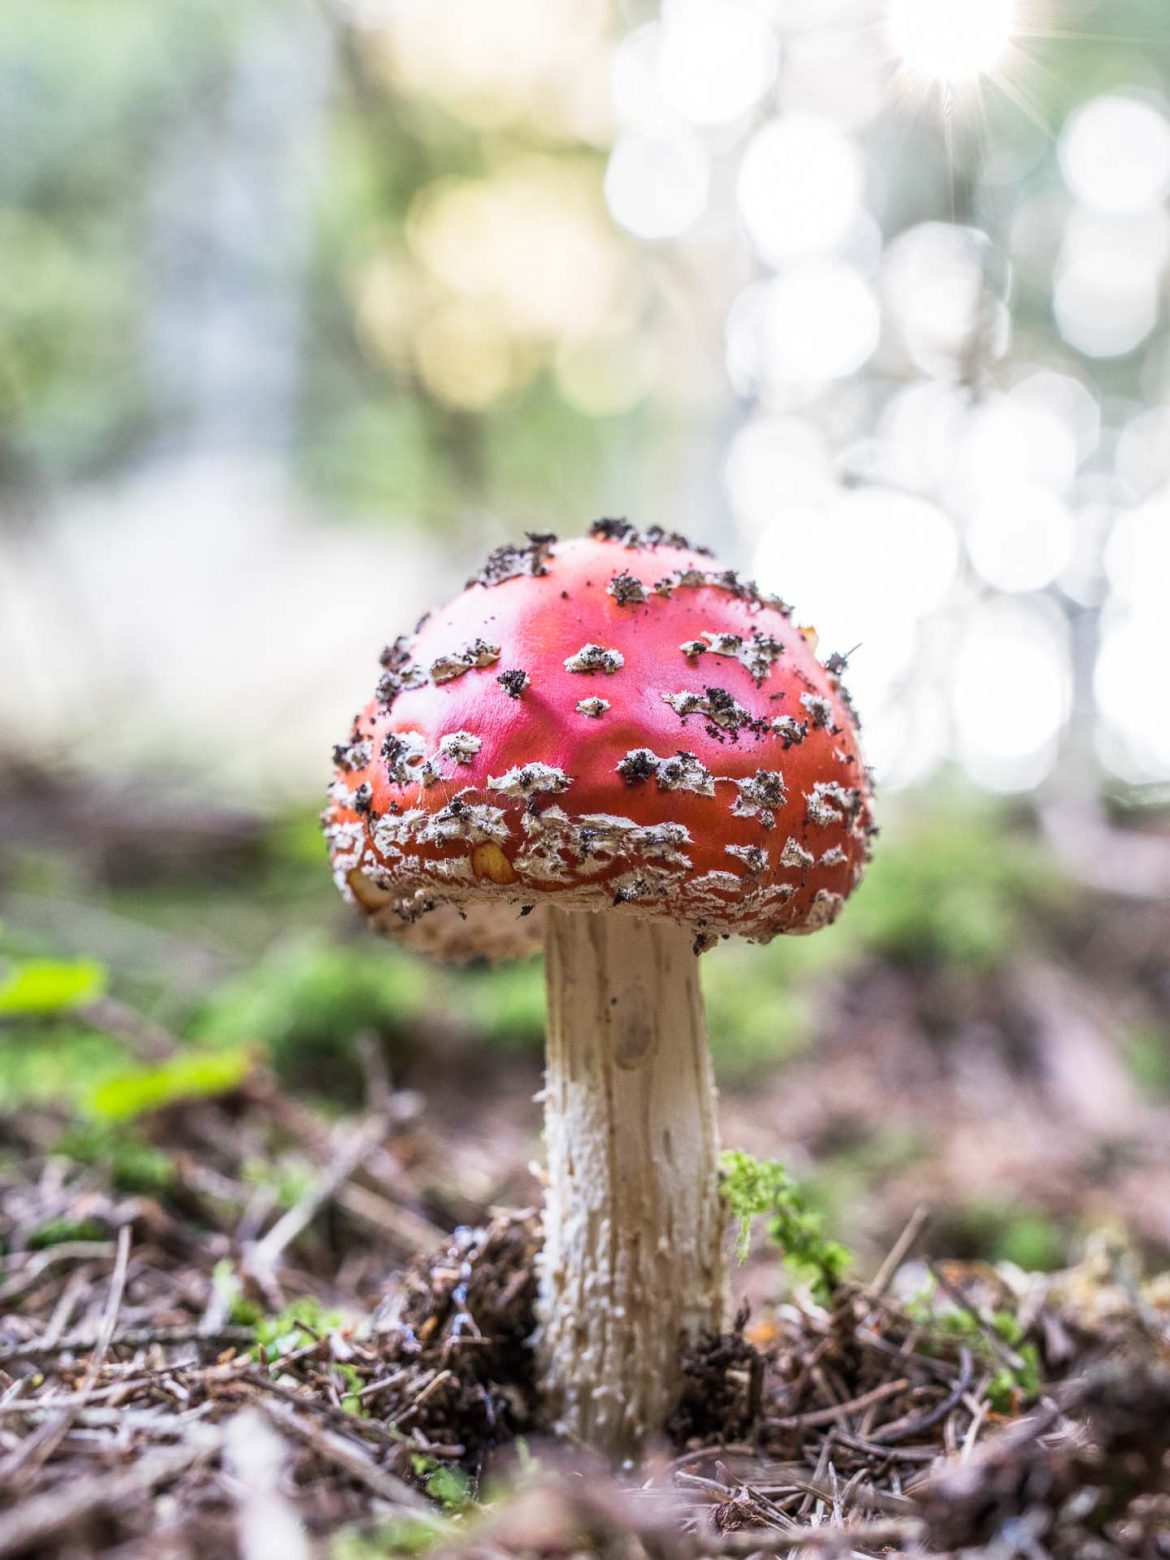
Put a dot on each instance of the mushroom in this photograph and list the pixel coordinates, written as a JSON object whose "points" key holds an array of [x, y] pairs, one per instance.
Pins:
{"points": [[705, 796]]}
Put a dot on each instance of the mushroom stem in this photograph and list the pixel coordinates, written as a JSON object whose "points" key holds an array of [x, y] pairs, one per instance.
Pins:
{"points": [[633, 1255]]}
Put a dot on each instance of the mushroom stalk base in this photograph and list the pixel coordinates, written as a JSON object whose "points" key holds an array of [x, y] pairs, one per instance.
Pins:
{"points": [[633, 1255]]}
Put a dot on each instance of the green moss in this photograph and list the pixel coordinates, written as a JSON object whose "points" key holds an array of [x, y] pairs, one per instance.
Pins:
{"points": [[953, 890], [303, 1322], [403, 1536], [308, 1001], [1013, 1383], [447, 1485], [57, 1232], [1147, 1055], [1003, 1232], [129, 1163], [762, 1188], [54, 1064], [505, 1005]]}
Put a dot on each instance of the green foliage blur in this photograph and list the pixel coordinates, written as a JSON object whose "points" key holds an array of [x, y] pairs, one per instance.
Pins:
{"points": [[408, 409]]}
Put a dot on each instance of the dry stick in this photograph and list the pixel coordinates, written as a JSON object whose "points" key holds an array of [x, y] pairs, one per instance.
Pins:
{"points": [[732, 1449], [267, 1527], [344, 1454], [76, 1285], [410, 1230], [914, 1424], [868, 1494], [266, 1253], [416, 1403], [158, 1422], [22, 1465], [38, 1261], [130, 1338], [899, 1251], [750, 1541], [413, 1230], [45, 1517], [354, 1424], [979, 1411], [838, 1411]]}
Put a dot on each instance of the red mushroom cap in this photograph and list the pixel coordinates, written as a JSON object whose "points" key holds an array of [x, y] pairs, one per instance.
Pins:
{"points": [[609, 721]]}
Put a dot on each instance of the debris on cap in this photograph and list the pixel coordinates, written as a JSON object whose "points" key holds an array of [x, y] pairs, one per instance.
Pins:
{"points": [[723, 789]]}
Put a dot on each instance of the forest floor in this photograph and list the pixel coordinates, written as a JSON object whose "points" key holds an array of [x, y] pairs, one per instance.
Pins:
{"points": [[267, 1228], [188, 1369]]}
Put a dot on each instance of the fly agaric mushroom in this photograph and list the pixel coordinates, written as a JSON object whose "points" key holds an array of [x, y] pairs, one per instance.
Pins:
{"points": [[614, 746]]}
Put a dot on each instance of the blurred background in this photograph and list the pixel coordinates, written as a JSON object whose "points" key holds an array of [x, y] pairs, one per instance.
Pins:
{"points": [[305, 306]]}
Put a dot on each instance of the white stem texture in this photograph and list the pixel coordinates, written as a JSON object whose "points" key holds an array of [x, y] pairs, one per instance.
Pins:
{"points": [[633, 1255]]}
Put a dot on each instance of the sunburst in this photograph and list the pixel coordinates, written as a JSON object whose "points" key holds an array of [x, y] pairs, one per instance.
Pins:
{"points": [[951, 42]]}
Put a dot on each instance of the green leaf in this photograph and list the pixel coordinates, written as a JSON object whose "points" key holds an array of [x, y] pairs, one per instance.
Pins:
{"points": [[192, 1075], [42, 987]]}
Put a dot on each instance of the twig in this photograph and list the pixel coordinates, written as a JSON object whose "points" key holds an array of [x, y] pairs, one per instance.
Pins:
{"points": [[410, 1231], [342, 1453], [266, 1253], [416, 1403], [76, 1285], [698, 1453], [838, 1411], [1006, 1355], [849, 1535], [130, 1338], [913, 1424], [38, 1521], [20, 1467], [37, 1261], [254, 1454], [899, 1251]]}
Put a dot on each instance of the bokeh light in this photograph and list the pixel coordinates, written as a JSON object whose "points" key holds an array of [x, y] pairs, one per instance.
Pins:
{"points": [[656, 185], [607, 373], [1130, 674], [1020, 538], [922, 427], [868, 568], [1105, 302], [933, 283], [1012, 438], [799, 187], [1115, 154], [1011, 692], [1143, 451], [778, 466], [843, 287], [529, 240], [465, 356], [829, 559], [819, 321], [538, 62], [718, 58]]}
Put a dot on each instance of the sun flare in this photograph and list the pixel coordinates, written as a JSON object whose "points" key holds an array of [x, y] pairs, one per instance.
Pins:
{"points": [[951, 41]]}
